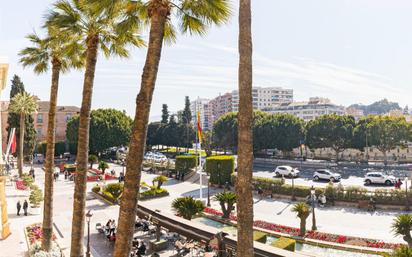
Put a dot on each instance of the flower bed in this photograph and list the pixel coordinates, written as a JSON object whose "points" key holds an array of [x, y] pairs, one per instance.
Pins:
{"points": [[109, 177], [34, 236], [20, 185], [321, 236]]}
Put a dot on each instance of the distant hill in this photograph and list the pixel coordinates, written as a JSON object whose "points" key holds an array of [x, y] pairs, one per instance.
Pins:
{"points": [[379, 107]]}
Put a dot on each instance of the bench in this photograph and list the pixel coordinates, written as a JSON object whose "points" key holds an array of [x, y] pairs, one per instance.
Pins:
{"points": [[364, 204], [267, 192]]}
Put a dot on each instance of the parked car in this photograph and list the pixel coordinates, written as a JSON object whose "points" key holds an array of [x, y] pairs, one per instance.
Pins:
{"points": [[379, 178], [286, 171], [326, 174]]}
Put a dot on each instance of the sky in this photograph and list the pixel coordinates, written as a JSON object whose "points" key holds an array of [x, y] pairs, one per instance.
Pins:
{"points": [[351, 51]]}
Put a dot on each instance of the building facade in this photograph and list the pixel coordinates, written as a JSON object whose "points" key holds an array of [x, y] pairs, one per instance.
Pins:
{"points": [[308, 110], [203, 106]]}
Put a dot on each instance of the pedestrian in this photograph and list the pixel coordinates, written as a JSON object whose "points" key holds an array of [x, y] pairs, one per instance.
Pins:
{"points": [[25, 206], [18, 207], [66, 174], [183, 176]]}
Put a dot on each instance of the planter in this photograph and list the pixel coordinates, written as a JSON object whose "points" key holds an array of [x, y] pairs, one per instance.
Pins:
{"points": [[33, 235], [144, 198]]}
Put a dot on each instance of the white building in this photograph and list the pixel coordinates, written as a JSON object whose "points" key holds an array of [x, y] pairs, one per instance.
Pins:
{"points": [[203, 106], [265, 97], [315, 107]]}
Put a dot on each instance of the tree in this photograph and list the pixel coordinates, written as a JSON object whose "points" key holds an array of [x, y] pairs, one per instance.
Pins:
{"points": [[24, 105], [302, 211], [102, 165], [402, 226], [112, 125], [13, 121], [361, 133], [207, 143], [61, 52], [187, 114], [107, 28], [245, 136], [154, 134], [194, 17], [159, 180], [386, 133], [330, 131], [92, 160], [227, 201], [225, 131], [165, 114], [187, 207], [402, 251]]}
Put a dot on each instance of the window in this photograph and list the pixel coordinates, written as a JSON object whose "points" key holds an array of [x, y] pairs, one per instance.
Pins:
{"points": [[40, 118], [68, 117], [39, 131]]}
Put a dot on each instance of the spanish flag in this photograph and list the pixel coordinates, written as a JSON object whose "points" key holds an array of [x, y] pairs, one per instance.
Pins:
{"points": [[199, 127]]}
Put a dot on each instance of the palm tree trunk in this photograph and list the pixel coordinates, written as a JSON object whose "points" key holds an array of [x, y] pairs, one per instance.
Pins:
{"points": [[49, 164], [79, 198], [245, 144], [21, 145], [128, 204], [302, 227]]}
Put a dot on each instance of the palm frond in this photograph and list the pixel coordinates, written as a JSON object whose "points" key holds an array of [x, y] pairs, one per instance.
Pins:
{"points": [[23, 103]]}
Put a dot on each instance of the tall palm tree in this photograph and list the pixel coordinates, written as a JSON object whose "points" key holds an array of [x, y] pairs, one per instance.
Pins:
{"points": [[302, 212], [62, 53], [245, 144], [106, 29], [187, 206], [402, 226], [194, 17], [24, 105]]}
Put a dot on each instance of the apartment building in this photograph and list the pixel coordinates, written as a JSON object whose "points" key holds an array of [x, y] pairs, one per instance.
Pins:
{"points": [[308, 110], [203, 106]]}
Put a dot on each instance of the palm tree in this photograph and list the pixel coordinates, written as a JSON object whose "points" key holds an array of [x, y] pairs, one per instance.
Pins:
{"points": [[106, 29], [226, 200], [194, 17], [403, 251], [402, 226], [160, 180], [61, 52], [24, 105], [245, 144], [302, 212], [92, 160], [187, 206]]}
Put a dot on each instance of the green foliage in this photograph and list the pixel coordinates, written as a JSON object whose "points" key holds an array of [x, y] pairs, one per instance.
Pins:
{"points": [[260, 236], [380, 107], [96, 189], [330, 131], [103, 166], [220, 169], [159, 180], [108, 128], [36, 196], [187, 114], [227, 201], [402, 225], [114, 189], [184, 163], [165, 114], [302, 210], [93, 159], [402, 251], [187, 206], [153, 192], [27, 180], [225, 131], [59, 148], [285, 244]]}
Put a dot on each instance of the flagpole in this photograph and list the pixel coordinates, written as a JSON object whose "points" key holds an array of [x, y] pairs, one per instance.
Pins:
{"points": [[12, 135], [200, 151]]}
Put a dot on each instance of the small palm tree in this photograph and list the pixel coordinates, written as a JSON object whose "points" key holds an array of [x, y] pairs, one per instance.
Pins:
{"points": [[24, 105], [227, 201], [160, 180], [187, 206], [402, 226], [103, 166], [302, 211], [102, 27], [62, 52], [92, 160], [403, 251]]}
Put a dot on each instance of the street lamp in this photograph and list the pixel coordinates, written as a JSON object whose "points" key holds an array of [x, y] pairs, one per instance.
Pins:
{"points": [[208, 192], [88, 217], [406, 195], [313, 197]]}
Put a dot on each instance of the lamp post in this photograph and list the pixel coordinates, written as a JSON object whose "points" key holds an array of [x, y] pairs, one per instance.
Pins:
{"points": [[406, 195], [208, 192], [88, 217], [313, 196]]}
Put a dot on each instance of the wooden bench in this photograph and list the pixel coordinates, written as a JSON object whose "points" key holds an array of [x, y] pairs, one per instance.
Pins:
{"points": [[267, 192], [364, 204]]}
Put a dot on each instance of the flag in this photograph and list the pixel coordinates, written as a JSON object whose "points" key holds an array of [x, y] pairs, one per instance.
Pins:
{"points": [[13, 143], [199, 127]]}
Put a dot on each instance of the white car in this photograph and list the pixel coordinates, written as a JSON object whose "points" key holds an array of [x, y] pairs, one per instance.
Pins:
{"points": [[286, 171], [326, 174], [379, 178]]}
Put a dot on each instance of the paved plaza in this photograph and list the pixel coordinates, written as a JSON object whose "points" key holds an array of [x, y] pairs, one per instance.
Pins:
{"points": [[346, 221]]}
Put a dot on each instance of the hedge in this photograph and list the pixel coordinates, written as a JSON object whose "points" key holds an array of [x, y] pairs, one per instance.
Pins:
{"points": [[260, 236], [285, 244], [184, 163], [220, 169], [114, 189], [333, 193], [59, 148]]}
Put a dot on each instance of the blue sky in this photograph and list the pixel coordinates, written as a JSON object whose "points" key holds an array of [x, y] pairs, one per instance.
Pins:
{"points": [[351, 51]]}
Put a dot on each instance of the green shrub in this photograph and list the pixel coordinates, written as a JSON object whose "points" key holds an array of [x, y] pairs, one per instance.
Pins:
{"points": [[96, 189], [27, 180], [220, 169], [260, 236], [115, 189], [109, 196], [153, 191], [59, 148], [184, 163], [285, 244], [160, 180], [36, 196]]}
